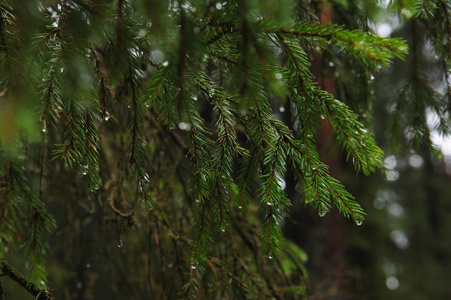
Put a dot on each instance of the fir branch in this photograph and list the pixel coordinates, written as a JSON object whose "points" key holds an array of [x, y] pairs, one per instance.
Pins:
{"points": [[200, 187], [72, 143], [223, 58], [136, 145], [358, 141], [369, 49], [204, 237], [245, 180], [6, 21], [91, 150], [10, 224], [40, 222], [103, 90], [274, 200], [426, 8], [13, 274], [50, 111], [156, 86]]}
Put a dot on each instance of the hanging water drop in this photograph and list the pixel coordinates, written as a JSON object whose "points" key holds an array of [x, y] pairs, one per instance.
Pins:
{"points": [[193, 267], [331, 64], [240, 207], [269, 203], [197, 200], [107, 116], [85, 170], [119, 244], [322, 212], [165, 63], [358, 221], [269, 256], [372, 77]]}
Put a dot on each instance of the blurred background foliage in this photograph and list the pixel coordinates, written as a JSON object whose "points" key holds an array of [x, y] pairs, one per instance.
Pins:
{"points": [[119, 214]]}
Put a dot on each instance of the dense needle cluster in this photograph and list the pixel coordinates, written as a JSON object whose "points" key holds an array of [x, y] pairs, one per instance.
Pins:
{"points": [[106, 88]]}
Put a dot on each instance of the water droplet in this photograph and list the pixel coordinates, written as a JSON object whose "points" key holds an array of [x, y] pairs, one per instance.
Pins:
{"points": [[322, 212], [197, 200], [193, 267], [107, 116], [62, 70], [165, 63], [358, 221], [184, 126], [240, 207], [278, 76], [269, 203], [195, 98], [331, 64], [269, 256], [142, 32], [281, 109], [42, 283], [43, 129], [372, 77], [218, 6], [223, 230], [119, 244], [84, 172]]}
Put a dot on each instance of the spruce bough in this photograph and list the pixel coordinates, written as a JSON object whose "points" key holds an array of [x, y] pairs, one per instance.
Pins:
{"points": [[118, 80]]}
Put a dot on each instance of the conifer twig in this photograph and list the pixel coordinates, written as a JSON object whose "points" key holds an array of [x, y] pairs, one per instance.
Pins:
{"points": [[12, 273]]}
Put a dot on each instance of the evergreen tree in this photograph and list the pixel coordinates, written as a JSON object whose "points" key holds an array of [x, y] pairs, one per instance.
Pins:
{"points": [[147, 146]]}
